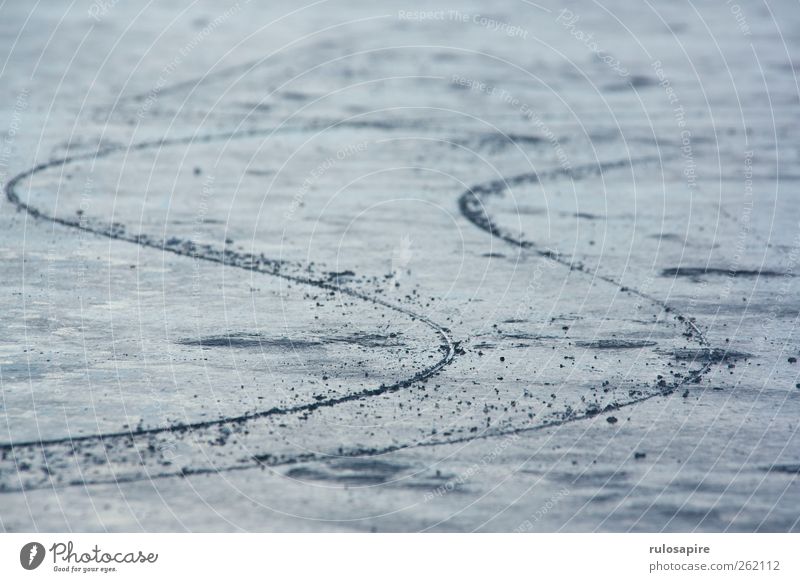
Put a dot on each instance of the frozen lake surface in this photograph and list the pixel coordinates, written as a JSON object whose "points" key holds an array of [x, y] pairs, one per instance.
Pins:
{"points": [[355, 266]]}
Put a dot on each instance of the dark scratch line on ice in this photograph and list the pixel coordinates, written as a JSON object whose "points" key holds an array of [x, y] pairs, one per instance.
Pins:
{"points": [[471, 206]]}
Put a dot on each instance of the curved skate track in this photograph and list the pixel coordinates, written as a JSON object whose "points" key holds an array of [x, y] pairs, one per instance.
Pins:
{"points": [[57, 461]]}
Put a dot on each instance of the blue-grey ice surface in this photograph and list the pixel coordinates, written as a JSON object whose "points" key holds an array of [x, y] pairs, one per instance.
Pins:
{"points": [[366, 266]]}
